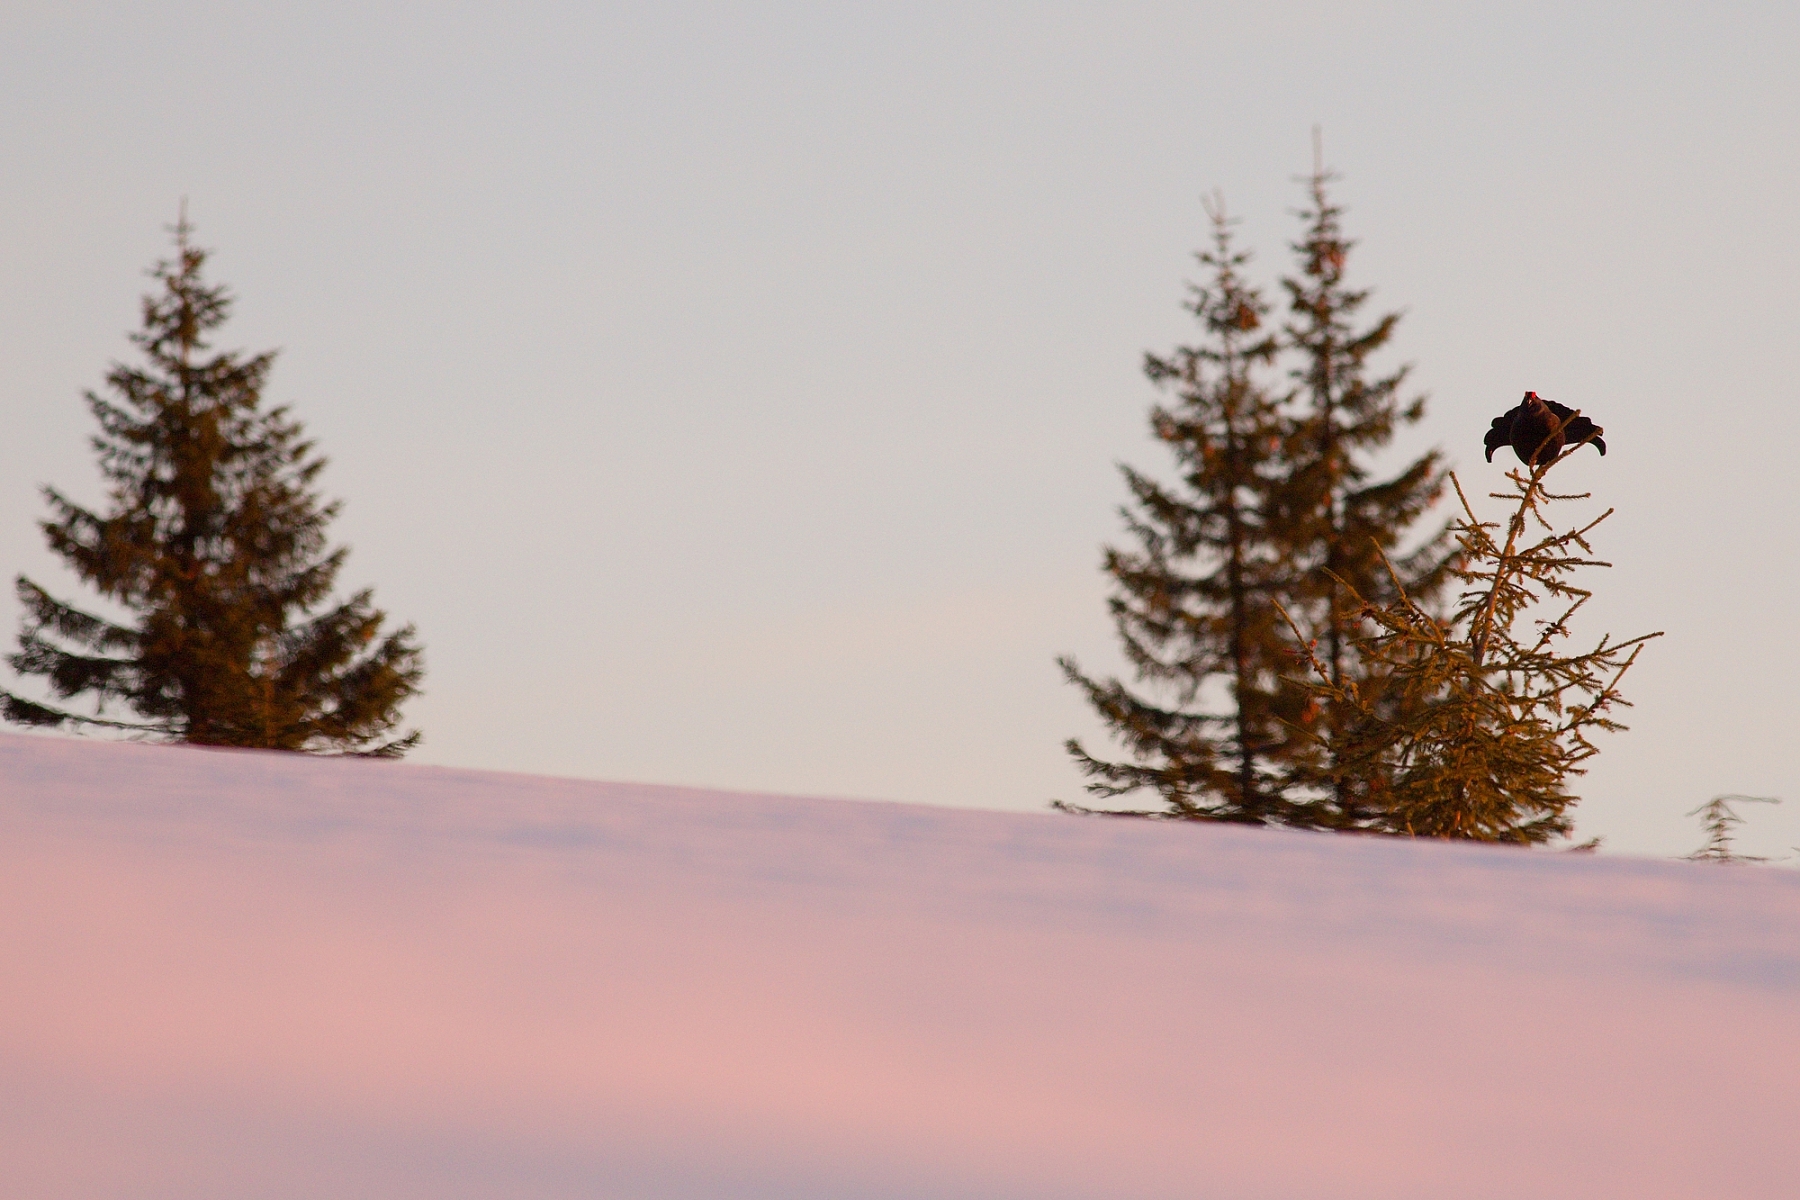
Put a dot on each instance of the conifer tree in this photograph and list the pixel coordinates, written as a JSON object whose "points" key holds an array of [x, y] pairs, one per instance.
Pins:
{"points": [[1719, 818], [1193, 606], [214, 543], [1472, 727], [1350, 522]]}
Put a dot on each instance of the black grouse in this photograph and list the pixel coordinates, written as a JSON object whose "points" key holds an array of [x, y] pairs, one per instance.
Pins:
{"points": [[1526, 428]]}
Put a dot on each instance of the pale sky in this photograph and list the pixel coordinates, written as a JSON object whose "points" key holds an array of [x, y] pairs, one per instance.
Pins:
{"points": [[731, 394]]}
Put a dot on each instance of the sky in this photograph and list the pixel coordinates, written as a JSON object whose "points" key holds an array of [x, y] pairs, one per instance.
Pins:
{"points": [[260, 975], [733, 394]]}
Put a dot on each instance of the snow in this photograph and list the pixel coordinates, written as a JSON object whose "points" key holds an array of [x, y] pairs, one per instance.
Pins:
{"points": [[256, 976]]}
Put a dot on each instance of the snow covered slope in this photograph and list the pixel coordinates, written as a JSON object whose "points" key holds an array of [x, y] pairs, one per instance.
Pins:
{"points": [[259, 976]]}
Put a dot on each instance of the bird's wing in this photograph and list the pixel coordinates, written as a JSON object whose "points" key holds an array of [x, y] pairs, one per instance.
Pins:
{"points": [[1583, 430], [1580, 429], [1500, 432]]}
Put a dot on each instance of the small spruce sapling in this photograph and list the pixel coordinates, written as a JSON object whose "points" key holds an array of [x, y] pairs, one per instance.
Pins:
{"points": [[1472, 727], [1718, 818]]}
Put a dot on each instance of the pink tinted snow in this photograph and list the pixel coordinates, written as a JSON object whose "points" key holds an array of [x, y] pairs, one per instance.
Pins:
{"points": [[245, 975]]}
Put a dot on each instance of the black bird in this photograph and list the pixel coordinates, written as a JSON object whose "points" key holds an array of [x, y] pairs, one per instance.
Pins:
{"points": [[1526, 428]]}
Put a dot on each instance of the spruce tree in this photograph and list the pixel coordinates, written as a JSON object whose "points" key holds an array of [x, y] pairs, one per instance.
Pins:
{"points": [[1349, 520], [1193, 602], [214, 544], [1473, 726], [1718, 818]]}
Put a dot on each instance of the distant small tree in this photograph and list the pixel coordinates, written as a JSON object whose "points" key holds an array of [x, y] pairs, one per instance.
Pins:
{"points": [[1718, 818], [1194, 602], [214, 545], [1472, 727]]}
